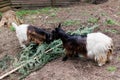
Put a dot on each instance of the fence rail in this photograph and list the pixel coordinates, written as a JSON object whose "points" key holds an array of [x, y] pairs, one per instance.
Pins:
{"points": [[38, 3], [4, 5], [34, 3]]}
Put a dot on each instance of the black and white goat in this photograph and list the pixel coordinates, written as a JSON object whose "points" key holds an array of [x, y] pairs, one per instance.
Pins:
{"points": [[96, 46], [27, 33]]}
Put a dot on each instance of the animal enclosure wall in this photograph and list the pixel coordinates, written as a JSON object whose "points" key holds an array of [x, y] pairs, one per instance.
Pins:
{"points": [[39, 3], [4, 5]]}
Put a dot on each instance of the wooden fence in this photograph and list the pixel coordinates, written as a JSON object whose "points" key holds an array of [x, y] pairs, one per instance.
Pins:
{"points": [[39, 3], [6, 4]]}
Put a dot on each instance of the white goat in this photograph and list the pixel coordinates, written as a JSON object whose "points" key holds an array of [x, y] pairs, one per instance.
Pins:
{"points": [[27, 33], [97, 46]]}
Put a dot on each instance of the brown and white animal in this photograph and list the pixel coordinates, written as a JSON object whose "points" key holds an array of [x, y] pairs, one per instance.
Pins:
{"points": [[97, 46], [27, 33]]}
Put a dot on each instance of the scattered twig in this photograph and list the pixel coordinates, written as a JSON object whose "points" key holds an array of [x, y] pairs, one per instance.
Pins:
{"points": [[10, 72]]}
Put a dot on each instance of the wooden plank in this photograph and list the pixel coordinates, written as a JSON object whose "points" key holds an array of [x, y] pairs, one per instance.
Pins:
{"points": [[3, 2], [5, 9], [28, 3], [25, 3], [4, 5], [32, 5]]}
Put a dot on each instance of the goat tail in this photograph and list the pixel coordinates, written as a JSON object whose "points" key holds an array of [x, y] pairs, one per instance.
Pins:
{"points": [[14, 25]]}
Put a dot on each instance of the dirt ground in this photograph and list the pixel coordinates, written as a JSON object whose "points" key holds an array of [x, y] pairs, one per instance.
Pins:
{"points": [[75, 69]]}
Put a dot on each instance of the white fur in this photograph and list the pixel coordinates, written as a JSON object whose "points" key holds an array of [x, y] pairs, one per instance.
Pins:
{"points": [[21, 33], [98, 45]]}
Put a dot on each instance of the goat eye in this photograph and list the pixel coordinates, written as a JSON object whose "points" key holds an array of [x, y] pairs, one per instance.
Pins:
{"points": [[56, 28]]}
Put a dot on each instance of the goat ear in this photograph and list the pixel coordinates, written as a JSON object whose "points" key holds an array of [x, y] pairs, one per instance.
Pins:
{"points": [[59, 26]]}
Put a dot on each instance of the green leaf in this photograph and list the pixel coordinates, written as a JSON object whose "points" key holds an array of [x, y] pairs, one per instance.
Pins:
{"points": [[111, 68], [12, 28]]}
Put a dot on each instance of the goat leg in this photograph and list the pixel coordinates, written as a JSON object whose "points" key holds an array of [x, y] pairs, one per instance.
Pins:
{"points": [[65, 58], [68, 54], [76, 54]]}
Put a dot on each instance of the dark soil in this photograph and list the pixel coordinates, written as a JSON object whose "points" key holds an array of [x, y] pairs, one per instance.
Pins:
{"points": [[75, 69]]}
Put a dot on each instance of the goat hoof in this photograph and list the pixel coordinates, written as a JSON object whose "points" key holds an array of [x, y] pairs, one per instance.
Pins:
{"points": [[76, 55], [65, 58]]}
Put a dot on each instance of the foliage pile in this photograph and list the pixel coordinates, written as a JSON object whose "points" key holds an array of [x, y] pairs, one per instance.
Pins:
{"points": [[36, 57], [84, 30]]}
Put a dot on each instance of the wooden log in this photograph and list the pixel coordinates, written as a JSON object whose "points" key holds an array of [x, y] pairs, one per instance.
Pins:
{"points": [[8, 17]]}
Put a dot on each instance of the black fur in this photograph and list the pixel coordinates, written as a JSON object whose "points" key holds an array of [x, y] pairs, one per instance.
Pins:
{"points": [[73, 44], [37, 32]]}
